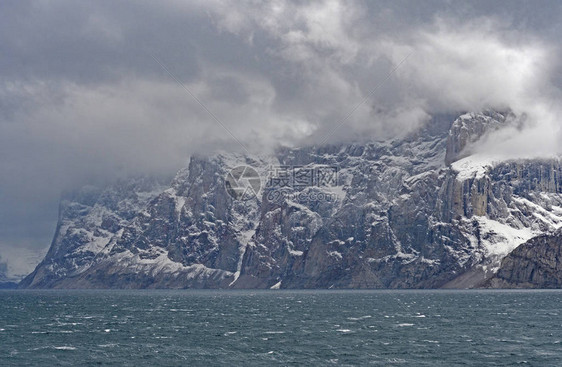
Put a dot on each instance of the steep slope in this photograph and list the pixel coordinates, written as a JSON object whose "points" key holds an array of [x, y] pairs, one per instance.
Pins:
{"points": [[416, 212], [535, 264]]}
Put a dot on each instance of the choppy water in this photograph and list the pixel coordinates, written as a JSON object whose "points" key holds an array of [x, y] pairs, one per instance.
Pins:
{"points": [[421, 328]]}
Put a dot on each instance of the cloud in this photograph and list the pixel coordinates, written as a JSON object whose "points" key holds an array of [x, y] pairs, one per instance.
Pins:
{"points": [[446, 64], [479, 65], [470, 66]]}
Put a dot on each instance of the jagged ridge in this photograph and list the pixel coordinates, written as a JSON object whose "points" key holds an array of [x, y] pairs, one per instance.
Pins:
{"points": [[403, 217]]}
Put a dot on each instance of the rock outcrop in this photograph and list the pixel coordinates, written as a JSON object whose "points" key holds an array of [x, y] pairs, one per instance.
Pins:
{"points": [[535, 264]]}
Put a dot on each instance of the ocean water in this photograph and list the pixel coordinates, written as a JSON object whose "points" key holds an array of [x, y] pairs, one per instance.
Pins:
{"points": [[300, 328]]}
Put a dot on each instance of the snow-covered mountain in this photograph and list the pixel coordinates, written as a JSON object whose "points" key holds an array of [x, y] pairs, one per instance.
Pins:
{"points": [[418, 212]]}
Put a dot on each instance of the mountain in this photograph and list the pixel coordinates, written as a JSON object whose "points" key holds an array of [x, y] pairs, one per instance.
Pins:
{"points": [[423, 211]]}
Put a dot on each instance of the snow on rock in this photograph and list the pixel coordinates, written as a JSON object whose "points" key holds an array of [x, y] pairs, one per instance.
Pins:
{"points": [[474, 166], [498, 239], [413, 212]]}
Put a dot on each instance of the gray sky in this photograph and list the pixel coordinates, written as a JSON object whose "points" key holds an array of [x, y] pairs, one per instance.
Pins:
{"points": [[82, 98]]}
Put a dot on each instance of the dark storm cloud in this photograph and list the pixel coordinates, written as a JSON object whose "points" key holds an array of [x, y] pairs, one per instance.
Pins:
{"points": [[83, 99]]}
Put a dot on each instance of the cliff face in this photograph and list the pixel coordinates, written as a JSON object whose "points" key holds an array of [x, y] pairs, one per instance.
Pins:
{"points": [[535, 264], [391, 215]]}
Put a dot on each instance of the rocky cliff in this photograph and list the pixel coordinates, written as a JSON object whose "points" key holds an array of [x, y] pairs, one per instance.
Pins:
{"points": [[535, 264], [423, 211]]}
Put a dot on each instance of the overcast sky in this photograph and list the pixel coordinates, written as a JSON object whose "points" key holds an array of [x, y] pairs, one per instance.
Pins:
{"points": [[85, 95]]}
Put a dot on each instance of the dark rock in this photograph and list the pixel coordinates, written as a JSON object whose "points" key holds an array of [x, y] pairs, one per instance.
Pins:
{"points": [[535, 264]]}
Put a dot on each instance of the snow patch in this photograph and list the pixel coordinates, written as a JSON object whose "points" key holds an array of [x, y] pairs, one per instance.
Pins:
{"points": [[296, 253], [498, 239], [474, 166]]}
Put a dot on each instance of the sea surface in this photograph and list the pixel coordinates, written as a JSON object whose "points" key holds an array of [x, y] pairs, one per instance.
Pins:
{"points": [[289, 328]]}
